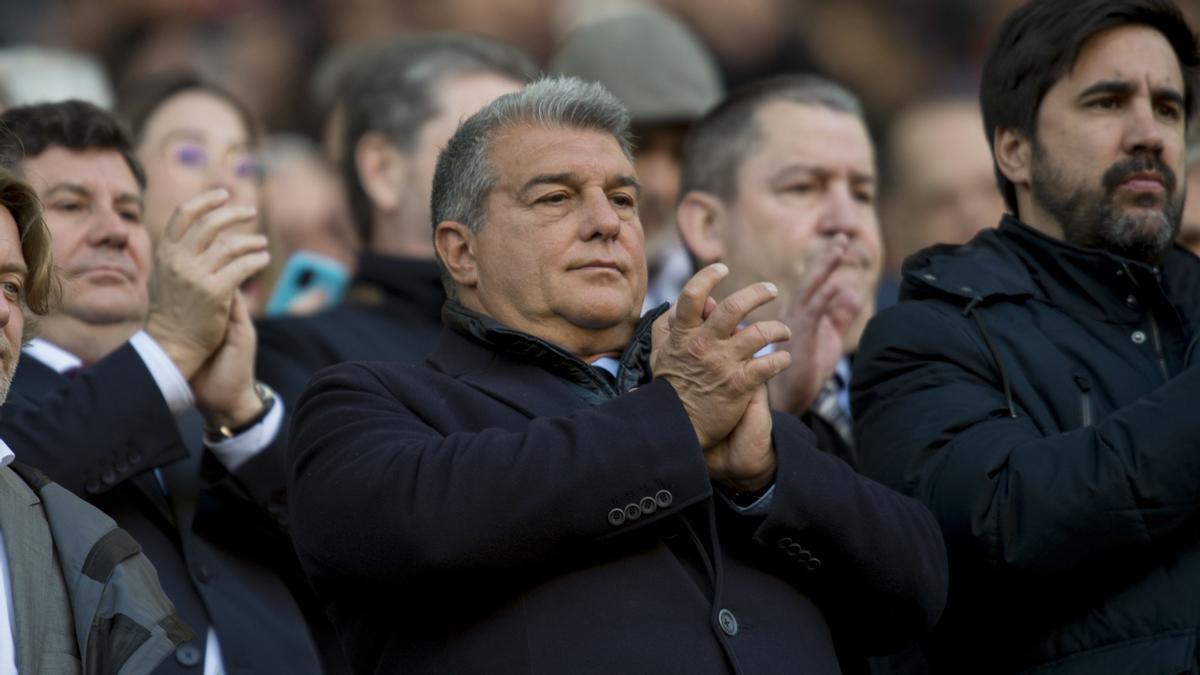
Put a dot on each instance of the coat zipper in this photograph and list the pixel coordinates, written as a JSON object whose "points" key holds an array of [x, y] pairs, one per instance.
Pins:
{"points": [[1158, 348], [1085, 400]]}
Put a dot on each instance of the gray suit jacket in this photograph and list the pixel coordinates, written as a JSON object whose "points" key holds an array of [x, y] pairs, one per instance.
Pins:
{"points": [[43, 625]]}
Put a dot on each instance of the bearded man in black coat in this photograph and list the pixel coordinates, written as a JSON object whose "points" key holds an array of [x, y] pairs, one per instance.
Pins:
{"points": [[1035, 387]]}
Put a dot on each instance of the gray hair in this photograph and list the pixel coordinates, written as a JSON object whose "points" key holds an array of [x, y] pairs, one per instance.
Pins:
{"points": [[393, 89], [464, 177], [718, 143]]}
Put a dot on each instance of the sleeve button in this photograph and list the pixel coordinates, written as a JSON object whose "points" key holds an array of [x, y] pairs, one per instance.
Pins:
{"points": [[633, 512], [648, 505], [664, 498], [616, 517]]}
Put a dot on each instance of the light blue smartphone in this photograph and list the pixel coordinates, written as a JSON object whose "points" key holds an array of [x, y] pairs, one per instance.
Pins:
{"points": [[306, 271]]}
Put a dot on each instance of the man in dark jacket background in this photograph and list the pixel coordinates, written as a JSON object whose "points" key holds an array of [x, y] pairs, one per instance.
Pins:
{"points": [[403, 101], [779, 182], [1035, 387]]}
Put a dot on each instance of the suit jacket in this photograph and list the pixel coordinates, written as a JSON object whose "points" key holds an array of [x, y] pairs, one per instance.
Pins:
{"points": [[208, 534], [476, 514]]}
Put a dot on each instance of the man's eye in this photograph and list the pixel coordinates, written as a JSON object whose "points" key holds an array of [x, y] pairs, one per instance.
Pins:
{"points": [[624, 201], [12, 290], [1106, 103], [553, 198], [1169, 111], [131, 216], [799, 188], [69, 207]]}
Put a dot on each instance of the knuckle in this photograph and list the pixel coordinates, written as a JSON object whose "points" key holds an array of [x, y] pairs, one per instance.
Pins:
{"points": [[764, 336], [732, 305]]}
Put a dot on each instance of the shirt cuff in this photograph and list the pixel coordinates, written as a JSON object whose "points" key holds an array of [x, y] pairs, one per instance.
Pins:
{"points": [[171, 382], [233, 452], [758, 508]]}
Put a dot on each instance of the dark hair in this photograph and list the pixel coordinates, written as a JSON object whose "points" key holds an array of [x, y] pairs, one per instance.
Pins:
{"points": [[28, 131], [394, 90], [141, 99], [41, 287], [718, 143], [1038, 45]]}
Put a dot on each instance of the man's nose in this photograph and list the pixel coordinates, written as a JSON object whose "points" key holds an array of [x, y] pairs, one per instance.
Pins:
{"points": [[1144, 130], [109, 228], [842, 212], [600, 217]]}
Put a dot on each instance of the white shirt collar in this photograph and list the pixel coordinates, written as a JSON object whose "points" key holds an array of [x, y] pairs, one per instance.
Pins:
{"points": [[608, 363], [52, 356], [6, 454]]}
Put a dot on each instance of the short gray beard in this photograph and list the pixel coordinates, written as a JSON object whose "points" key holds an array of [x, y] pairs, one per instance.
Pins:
{"points": [[1091, 218]]}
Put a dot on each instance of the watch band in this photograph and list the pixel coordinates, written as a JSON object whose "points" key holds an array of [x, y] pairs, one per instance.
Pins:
{"points": [[265, 395]]}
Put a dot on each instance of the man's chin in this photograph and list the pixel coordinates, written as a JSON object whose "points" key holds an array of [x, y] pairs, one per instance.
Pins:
{"points": [[102, 311], [605, 311]]}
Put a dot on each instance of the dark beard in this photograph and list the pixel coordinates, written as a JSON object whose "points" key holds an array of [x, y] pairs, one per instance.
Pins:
{"points": [[1093, 220]]}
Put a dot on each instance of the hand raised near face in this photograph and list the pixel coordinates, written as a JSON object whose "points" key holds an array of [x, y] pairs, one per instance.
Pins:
{"points": [[703, 351], [820, 315], [199, 262]]}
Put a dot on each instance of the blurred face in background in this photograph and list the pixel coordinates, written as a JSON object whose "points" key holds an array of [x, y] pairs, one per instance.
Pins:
{"points": [[656, 159], [193, 142], [810, 180], [1189, 231], [941, 186], [305, 207], [457, 99]]}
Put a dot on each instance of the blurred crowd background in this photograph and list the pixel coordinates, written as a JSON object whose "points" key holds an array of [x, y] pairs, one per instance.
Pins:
{"points": [[285, 60], [267, 51]]}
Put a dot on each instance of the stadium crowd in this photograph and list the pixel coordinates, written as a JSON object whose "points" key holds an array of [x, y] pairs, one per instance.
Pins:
{"points": [[569, 337]]}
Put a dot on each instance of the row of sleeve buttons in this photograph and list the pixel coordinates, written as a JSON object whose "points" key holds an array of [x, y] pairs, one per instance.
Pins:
{"points": [[114, 474], [796, 552], [642, 507]]}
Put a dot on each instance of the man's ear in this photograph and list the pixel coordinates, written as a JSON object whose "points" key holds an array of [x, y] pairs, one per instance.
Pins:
{"points": [[382, 170], [702, 220], [455, 246], [1014, 155]]}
